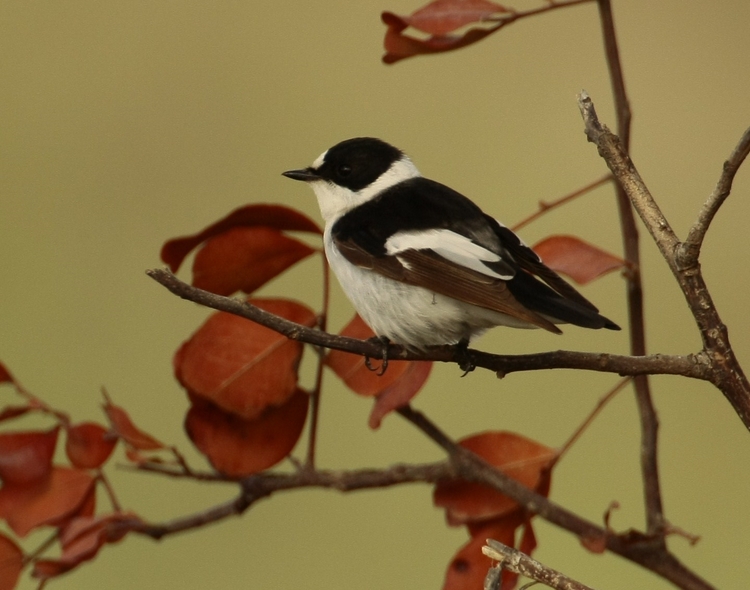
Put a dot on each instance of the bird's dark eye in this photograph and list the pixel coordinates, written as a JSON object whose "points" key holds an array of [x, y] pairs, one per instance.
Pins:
{"points": [[344, 170]]}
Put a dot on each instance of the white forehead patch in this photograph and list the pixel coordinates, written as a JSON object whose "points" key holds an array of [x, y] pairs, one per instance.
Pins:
{"points": [[319, 160]]}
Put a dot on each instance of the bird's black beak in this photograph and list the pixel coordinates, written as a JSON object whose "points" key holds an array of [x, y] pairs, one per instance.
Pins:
{"points": [[305, 174]]}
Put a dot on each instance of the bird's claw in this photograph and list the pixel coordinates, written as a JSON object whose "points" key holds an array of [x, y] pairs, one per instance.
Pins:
{"points": [[384, 342], [463, 358]]}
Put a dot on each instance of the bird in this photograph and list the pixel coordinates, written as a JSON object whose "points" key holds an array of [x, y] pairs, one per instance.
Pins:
{"points": [[422, 264]]}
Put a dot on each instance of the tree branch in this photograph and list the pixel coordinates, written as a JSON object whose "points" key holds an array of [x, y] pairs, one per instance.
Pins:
{"points": [[263, 485], [632, 253], [695, 366], [461, 464], [645, 549], [517, 562], [726, 372], [687, 255]]}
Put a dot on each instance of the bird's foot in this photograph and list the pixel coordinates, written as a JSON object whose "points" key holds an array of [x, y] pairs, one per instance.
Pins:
{"points": [[384, 342], [462, 357]]}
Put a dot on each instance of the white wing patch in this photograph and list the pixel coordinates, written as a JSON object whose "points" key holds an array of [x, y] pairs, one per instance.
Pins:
{"points": [[450, 245]]}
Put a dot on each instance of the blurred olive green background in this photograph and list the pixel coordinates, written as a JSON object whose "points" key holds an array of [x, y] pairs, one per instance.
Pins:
{"points": [[123, 124]]}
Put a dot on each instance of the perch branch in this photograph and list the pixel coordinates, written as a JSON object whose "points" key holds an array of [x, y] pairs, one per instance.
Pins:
{"points": [[695, 366]]}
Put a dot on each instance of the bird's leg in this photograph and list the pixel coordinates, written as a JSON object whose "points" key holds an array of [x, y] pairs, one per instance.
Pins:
{"points": [[384, 342], [462, 357]]}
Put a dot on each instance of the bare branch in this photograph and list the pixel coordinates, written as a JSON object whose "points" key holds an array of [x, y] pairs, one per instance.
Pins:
{"points": [[645, 549], [590, 418], [632, 250], [545, 207], [614, 154], [263, 485], [690, 249], [515, 561], [726, 372], [694, 366]]}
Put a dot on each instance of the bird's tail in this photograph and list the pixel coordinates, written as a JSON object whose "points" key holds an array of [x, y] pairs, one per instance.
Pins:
{"points": [[546, 301]]}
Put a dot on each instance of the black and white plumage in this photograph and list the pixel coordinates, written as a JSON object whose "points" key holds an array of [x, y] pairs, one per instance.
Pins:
{"points": [[421, 263]]}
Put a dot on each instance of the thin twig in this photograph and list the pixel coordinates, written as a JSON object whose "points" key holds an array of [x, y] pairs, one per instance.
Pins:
{"points": [[687, 255], [545, 207], [315, 394], [590, 418], [631, 246], [116, 507], [517, 562]]}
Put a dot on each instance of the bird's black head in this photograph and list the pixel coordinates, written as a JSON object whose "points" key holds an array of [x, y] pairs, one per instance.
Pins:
{"points": [[356, 163]]}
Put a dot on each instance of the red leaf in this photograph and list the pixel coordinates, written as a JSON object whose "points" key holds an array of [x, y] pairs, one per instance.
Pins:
{"points": [[351, 368], [444, 16], [11, 563], [89, 445], [594, 543], [5, 375], [241, 366], [81, 541], [274, 216], [26, 457], [399, 46], [49, 501], [244, 259], [129, 432], [522, 459], [469, 566], [400, 392], [239, 447], [581, 261]]}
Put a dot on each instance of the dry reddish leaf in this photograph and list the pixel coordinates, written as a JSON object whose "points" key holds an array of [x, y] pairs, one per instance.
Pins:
{"points": [[237, 447], [399, 46], [507, 527], [239, 365], [522, 459], [124, 428], [395, 388], [274, 216], [351, 368], [81, 541], [244, 259], [400, 392], [26, 457], [89, 445], [594, 543], [469, 566], [50, 501], [11, 563], [444, 16], [581, 261]]}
